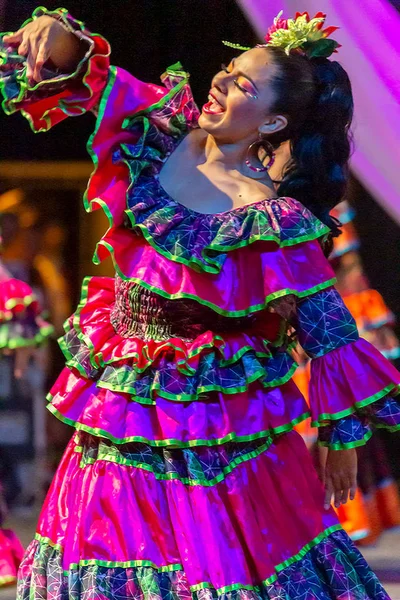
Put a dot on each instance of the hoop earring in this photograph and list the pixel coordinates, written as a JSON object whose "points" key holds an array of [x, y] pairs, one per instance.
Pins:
{"points": [[252, 156]]}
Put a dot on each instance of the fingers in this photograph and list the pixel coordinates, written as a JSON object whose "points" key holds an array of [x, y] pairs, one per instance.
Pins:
{"points": [[33, 48], [338, 490], [353, 490], [14, 38], [345, 492], [23, 48], [30, 64], [41, 58]]}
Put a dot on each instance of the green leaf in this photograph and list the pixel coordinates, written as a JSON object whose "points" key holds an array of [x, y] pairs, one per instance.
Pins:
{"points": [[322, 48]]}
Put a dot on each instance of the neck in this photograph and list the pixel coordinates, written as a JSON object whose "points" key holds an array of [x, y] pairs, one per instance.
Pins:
{"points": [[232, 157]]}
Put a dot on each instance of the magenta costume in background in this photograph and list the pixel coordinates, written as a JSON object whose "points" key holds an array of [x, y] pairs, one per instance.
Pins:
{"points": [[184, 477], [21, 326]]}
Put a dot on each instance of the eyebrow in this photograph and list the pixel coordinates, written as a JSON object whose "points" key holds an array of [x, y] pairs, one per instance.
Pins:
{"points": [[244, 75]]}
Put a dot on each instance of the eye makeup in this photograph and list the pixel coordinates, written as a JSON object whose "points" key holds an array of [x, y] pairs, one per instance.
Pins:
{"points": [[242, 82]]}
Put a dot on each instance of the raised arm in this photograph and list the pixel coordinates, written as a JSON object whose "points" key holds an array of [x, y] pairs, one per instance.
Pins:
{"points": [[44, 39], [65, 71], [62, 71]]}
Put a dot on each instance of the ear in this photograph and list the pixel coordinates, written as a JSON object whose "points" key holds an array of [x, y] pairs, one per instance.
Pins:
{"points": [[273, 124]]}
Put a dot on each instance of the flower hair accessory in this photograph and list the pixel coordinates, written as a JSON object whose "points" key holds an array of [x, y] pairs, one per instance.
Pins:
{"points": [[301, 35]]}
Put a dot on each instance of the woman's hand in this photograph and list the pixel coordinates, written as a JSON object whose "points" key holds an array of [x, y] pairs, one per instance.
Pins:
{"points": [[340, 477], [42, 39]]}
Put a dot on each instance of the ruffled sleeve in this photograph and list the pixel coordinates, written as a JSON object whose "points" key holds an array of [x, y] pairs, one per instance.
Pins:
{"points": [[88, 88], [352, 385], [21, 321], [59, 95]]}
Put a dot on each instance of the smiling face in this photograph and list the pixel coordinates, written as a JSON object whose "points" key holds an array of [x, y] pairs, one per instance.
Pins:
{"points": [[239, 100]]}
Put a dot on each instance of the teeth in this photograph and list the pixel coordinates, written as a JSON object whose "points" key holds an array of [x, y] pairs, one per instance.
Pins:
{"points": [[215, 104]]}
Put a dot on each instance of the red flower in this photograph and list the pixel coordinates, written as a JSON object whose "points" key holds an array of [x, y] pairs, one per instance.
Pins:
{"points": [[320, 15], [278, 24]]}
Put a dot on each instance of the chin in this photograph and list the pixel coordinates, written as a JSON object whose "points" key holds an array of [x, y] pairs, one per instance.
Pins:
{"points": [[221, 134], [208, 124]]}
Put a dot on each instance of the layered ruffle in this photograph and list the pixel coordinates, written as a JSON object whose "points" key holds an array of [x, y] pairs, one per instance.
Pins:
{"points": [[183, 254], [211, 389], [21, 323], [87, 549], [350, 379], [355, 430], [58, 96], [300, 270], [174, 368], [216, 419]]}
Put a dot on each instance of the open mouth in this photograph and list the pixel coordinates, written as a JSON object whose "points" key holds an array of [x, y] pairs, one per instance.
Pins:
{"points": [[213, 107]]}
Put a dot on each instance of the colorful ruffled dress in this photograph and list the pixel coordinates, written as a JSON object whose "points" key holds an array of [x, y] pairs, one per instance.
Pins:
{"points": [[21, 325], [184, 477]]}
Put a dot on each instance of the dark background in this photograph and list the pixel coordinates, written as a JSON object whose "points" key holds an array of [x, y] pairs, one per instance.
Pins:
{"points": [[146, 37]]}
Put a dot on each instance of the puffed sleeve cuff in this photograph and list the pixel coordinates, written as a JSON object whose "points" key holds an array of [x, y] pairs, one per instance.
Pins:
{"points": [[21, 321], [59, 95], [354, 379], [350, 432]]}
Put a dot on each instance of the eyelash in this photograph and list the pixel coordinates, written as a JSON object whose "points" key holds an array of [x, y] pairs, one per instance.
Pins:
{"points": [[235, 81]]}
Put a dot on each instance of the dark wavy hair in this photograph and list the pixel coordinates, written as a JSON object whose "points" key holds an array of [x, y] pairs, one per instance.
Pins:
{"points": [[315, 96]]}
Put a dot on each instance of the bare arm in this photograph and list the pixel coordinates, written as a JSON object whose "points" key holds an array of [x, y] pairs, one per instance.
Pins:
{"points": [[45, 39]]}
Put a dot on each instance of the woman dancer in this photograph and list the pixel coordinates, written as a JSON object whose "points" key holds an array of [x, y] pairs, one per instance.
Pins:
{"points": [[184, 477]]}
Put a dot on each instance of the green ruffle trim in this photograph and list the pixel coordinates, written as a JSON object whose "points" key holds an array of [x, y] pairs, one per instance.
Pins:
{"points": [[69, 108], [349, 445], [114, 455], [278, 568], [109, 563], [227, 313], [390, 428], [357, 405], [178, 567], [177, 381], [231, 437], [7, 580], [89, 205], [124, 379]]}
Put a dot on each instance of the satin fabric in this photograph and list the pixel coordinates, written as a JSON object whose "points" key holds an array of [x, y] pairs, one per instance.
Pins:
{"points": [[11, 553], [115, 415], [88, 512], [273, 272], [352, 376], [93, 326], [15, 297]]}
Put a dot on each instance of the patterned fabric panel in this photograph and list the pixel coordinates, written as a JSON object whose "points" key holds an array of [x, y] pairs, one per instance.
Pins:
{"points": [[193, 466], [348, 432], [332, 568], [354, 430], [324, 323]]}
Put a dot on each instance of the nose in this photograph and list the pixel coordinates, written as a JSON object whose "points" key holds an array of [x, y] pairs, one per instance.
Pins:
{"points": [[220, 82]]}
